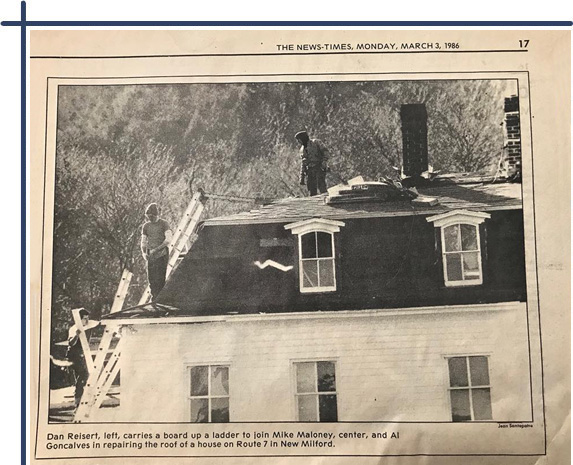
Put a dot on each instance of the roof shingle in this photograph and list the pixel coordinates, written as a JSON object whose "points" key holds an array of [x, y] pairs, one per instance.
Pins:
{"points": [[479, 196]]}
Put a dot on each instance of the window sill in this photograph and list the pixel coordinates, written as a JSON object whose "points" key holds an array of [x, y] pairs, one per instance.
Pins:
{"points": [[463, 283], [317, 290]]}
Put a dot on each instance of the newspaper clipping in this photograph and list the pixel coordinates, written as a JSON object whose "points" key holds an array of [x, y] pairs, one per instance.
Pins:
{"points": [[324, 245]]}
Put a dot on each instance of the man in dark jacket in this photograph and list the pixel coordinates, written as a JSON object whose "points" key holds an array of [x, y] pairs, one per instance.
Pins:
{"points": [[314, 157], [155, 238]]}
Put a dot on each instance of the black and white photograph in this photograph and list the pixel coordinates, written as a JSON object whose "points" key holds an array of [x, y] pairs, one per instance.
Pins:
{"points": [[247, 246], [325, 251]]}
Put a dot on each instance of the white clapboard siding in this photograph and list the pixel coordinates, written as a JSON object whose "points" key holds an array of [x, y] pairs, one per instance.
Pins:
{"points": [[387, 367]]}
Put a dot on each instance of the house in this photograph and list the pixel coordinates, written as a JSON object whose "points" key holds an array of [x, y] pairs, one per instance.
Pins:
{"points": [[374, 308]]}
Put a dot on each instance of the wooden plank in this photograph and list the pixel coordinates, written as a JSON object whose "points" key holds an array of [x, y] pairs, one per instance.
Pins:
{"points": [[83, 339], [423, 201]]}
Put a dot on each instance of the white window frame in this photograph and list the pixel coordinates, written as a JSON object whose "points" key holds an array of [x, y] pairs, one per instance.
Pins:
{"points": [[469, 387], [315, 225], [316, 392], [453, 218], [209, 396], [318, 260]]}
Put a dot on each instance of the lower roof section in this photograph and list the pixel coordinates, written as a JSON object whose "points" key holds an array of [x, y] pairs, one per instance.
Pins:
{"points": [[153, 313]]}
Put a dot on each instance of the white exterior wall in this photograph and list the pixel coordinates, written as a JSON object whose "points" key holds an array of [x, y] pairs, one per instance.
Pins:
{"points": [[388, 367]]}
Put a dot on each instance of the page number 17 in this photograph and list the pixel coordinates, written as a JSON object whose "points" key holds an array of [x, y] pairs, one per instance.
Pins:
{"points": [[523, 43]]}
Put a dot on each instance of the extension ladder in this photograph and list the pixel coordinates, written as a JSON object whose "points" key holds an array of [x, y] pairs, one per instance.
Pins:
{"points": [[106, 365]]}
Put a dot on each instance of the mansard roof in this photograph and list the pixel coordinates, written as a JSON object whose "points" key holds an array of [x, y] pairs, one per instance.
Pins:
{"points": [[388, 249]]}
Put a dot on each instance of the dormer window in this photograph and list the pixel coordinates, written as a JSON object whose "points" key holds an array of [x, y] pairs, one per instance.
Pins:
{"points": [[316, 252], [461, 251]]}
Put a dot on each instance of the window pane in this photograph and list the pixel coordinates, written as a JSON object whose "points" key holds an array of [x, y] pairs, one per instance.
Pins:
{"points": [[309, 273], [199, 381], [219, 381], [308, 244], [454, 267], [482, 404], [479, 371], [458, 371], [324, 241], [326, 272], [199, 410], [307, 408], [327, 408], [469, 237], [471, 265], [305, 377], [220, 410], [451, 238], [460, 405], [326, 376]]}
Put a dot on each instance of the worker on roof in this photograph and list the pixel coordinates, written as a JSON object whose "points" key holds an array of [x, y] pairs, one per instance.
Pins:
{"points": [[155, 238], [75, 353], [314, 157]]}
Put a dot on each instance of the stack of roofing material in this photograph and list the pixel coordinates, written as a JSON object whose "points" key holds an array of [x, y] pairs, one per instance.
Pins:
{"points": [[370, 191]]}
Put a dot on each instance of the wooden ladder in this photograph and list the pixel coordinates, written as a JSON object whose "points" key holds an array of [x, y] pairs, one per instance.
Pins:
{"points": [[104, 369]]}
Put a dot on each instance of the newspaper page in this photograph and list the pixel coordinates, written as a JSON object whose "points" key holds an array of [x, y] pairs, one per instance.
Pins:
{"points": [[300, 246]]}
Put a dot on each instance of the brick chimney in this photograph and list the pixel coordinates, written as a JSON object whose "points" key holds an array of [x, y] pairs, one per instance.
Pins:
{"points": [[414, 138], [512, 136]]}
